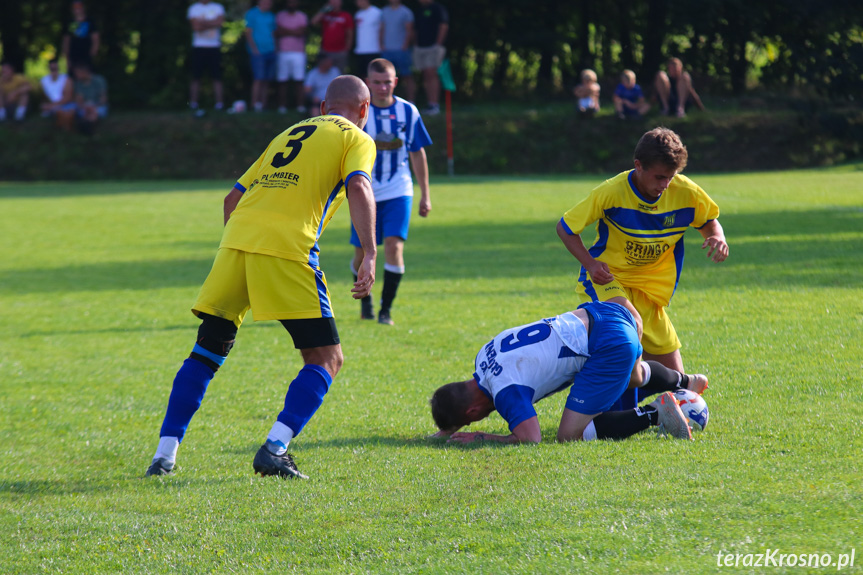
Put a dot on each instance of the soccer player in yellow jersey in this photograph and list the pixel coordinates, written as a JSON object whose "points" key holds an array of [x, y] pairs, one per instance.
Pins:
{"points": [[641, 216], [268, 261]]}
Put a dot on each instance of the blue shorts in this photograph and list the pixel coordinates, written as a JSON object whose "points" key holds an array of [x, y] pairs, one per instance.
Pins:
{"points": [[401, 59], [263, 66], [613, 347], [393, 218]]}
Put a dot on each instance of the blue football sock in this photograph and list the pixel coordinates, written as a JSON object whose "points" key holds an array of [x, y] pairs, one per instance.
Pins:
{"points": [[190, 384], [305, 395]]}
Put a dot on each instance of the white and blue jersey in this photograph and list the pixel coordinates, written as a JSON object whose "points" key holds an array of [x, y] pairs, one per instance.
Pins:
{"points": [[524, 364], [396, 130]]}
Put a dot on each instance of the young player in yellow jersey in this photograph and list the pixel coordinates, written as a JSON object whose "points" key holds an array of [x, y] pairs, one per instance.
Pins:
{"points": [[268, 261], [641, 216]]}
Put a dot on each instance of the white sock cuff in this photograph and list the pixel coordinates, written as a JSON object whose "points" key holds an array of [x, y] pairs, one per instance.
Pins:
{"points": [[589, 432], [280, 433], [645, 369], [167, 449], [353, 269], [394, 269]]}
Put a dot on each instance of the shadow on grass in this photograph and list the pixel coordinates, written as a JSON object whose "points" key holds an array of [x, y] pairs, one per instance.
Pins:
{"points": [[68, 189], [792, 248], [190, 327]]}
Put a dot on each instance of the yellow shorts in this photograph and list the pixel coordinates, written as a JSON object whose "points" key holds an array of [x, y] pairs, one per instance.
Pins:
{"points": [[659, 335], [273, 287]]}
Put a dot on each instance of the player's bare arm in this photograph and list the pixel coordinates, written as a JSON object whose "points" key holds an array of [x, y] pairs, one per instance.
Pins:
{"points": [[714, 239], [361, 201], [527, 431], [419, 164], [599, 272], [231, 200]]}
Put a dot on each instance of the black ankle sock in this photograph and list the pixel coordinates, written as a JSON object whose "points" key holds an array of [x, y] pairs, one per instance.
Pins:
{"points": [[622, 424], [391, 286], [662, 379]]}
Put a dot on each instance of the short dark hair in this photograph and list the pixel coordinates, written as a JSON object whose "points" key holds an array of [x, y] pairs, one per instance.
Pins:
{"points": [[661, 146], [380, 66], [449, 405]]}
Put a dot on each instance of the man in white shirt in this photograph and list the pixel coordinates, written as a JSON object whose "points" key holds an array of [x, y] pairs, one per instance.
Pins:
{"points": [[206, 19], [368, 27], [57, 89], [317, 81]]}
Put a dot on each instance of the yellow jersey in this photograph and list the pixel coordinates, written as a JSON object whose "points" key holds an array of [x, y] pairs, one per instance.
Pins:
{"points": [[292, 191], [639, 239]]}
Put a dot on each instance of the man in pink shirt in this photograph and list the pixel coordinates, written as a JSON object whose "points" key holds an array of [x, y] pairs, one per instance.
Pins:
{"points": [[337, 33], [291, 25]]}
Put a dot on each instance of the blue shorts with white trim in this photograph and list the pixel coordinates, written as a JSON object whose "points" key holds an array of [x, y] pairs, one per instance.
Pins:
{"points": [[614, 348], [393, 219]]}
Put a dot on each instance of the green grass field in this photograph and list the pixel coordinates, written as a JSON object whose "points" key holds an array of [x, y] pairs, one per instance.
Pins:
{"points": [[95, 285]]}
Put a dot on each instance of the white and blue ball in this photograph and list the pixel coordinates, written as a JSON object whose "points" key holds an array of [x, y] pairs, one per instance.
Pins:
{"points": [[694, 408]]}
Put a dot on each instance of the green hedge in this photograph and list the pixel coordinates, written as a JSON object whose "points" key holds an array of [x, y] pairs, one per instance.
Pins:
{"points": [[488, 140]]}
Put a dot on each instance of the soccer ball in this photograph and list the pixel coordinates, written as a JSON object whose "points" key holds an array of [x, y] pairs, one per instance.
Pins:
{"points": [[694, 408]]}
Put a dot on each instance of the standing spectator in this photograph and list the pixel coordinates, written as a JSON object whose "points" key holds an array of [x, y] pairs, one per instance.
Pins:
{"points": [[432, 25], [399, 135], [628, 98], [587, 93], [14, 93], [58, 89], [81, 40], [337, 33], [318, 80], [397, 31], [368, 25], [91, 97], [675, 90], [260, 40], [268, 262], [291, 67], [206, 19]]}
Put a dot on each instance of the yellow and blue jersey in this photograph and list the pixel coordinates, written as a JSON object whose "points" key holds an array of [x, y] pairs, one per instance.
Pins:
{"points": [[637, 238], [292, 191]]}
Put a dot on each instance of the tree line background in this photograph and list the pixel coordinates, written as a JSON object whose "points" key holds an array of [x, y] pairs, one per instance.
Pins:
{"points": [[499, 49]]}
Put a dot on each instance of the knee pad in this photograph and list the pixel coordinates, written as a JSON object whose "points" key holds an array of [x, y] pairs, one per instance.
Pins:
{"points": [[216, 337]]}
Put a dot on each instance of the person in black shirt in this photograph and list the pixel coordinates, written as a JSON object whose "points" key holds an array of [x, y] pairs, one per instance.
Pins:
{"points": [[80, 39], [432, 24]]}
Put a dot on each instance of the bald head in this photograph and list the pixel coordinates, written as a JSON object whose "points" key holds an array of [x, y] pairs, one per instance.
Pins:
{"points": [[347, 96]]}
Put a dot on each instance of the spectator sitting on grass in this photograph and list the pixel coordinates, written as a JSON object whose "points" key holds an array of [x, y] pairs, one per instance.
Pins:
{"points": [[317, 81], [91, 97], [587, 93], [14, 93], [628, 98], [58, 89], [675, 90]]}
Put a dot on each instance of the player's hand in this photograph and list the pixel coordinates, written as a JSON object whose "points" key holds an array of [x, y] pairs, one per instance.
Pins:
{"points": [[466, 437], [365, 278], [599, 273], [425, 208], [718, 248]]}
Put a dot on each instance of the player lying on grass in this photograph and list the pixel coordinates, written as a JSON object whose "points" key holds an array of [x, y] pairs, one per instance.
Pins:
{"points": [[594, 351]]}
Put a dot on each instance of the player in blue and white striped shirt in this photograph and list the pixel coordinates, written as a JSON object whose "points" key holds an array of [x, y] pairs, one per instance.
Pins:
{"points": [[400, 136]]}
